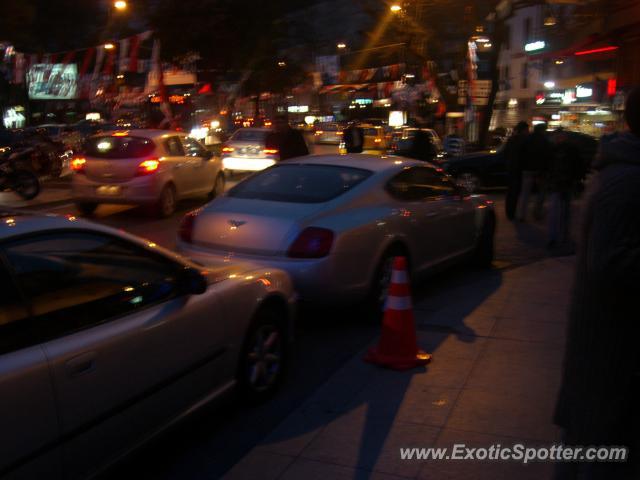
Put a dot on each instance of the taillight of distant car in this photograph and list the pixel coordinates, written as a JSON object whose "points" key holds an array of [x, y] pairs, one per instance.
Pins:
{"points": [[148, 166], [313, 242], [270, 151], [78, 164], [185, 231]]}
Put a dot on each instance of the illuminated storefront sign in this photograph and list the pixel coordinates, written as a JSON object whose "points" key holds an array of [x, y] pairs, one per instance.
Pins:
{"points": [[534, 46], [583, 92]]}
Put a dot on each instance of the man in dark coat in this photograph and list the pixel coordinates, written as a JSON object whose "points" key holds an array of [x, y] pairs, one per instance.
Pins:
{"points": [[537, 152], [288, 141], [513, 156], [565, 173], [599, 400], [353, 137]]}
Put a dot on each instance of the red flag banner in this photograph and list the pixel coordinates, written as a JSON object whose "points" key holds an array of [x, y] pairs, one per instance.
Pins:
{"points": [[88, 56], [68, 57], [108, 65], [133, 57]]}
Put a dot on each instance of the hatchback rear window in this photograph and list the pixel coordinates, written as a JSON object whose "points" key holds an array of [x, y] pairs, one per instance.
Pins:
{"points": [[250, 136], [300, 183], [118, 147]]}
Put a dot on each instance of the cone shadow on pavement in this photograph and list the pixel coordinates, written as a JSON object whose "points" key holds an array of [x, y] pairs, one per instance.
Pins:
{"points": [[352, 421]]}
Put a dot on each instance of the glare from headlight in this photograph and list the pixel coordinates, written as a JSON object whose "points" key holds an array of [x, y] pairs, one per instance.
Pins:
{"points": [[199, 133]]}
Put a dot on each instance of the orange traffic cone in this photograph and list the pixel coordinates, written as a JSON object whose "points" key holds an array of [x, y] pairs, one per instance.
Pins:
{"points": [[398, 346]]}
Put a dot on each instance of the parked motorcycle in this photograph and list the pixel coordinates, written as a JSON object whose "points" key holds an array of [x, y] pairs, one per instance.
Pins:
{"points": [[45, 156], [15, 177]]}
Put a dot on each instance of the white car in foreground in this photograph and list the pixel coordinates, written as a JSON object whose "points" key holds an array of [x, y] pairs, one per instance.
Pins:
{"points": [[107, 339]]}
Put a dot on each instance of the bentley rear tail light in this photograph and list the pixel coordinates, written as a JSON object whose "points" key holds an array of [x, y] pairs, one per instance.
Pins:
{"points": [[313, 242]]}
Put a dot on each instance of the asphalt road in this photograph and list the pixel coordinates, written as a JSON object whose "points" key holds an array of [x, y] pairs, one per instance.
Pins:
{"points": [[211, 442]]}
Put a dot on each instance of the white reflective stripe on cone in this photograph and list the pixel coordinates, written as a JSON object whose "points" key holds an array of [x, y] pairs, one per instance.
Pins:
{"points": [[398, 303], [399, 276]]}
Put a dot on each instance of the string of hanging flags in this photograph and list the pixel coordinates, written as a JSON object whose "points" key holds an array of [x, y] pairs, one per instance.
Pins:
{"points": [[133, 54]]}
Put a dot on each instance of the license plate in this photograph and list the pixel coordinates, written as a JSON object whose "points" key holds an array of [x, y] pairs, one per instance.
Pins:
{"points": [[109, 190]]}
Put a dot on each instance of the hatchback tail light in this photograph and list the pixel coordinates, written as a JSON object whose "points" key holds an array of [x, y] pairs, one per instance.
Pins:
{"points": [[227, 150], [148, 166], [313, 242], [187, 225], [78, 164]]}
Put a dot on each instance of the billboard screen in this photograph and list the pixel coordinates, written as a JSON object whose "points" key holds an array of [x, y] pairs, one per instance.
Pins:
{"points": [[53, 81]]}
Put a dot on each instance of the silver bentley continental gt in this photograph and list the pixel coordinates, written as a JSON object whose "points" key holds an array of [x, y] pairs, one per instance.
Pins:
{"points": [[107, 339], [334, 222]]}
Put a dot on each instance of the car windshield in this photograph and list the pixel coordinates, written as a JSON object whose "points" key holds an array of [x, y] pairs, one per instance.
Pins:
{"points": [[250, 136], [118, 147], [300, 183]]}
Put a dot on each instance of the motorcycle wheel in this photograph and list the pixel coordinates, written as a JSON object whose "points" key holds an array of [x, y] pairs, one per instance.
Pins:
{"points": [[25, 184]]}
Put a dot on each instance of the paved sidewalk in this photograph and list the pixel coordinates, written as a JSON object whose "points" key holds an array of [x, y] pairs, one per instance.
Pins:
{"points": [[497, 343]]}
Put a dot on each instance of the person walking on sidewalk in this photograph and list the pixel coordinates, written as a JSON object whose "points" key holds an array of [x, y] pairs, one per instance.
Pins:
{"points": [[353, 138], [513, 153], [565, 173], [537, 152], [288, 141], [599, 399]]}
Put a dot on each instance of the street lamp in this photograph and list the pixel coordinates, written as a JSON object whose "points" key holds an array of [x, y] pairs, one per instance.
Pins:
{"points": [[109, 46], [120, 5], [282, 64], [341, 46], [395, 8]]}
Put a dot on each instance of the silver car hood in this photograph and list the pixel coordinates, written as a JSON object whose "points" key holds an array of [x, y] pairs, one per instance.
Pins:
{"points": [[248, 226]]}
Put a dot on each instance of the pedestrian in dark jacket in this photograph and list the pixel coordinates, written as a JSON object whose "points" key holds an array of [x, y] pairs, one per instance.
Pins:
{"points": [[288, 141], [353, 137], [537, 152], [565, 174], [599, 399], [513, 152]]}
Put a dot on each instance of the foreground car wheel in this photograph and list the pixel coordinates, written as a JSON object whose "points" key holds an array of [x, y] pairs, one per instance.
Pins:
{"points": [[484, 252], [263, 358], [167, 202], [86, 208], [469, 181]]}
